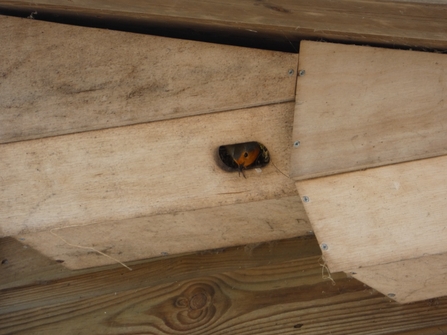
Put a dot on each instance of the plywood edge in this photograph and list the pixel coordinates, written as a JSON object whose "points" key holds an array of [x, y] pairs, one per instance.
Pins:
{"points": [[407, 280], [80, 247]]}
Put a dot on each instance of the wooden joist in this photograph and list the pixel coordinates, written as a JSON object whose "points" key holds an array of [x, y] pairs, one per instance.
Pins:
{"points": [[412, 24], [370, 125], [386, 226], [134, 191], [147, 169], [360, 107], [59, 79], [187, 231], [262, 289]]}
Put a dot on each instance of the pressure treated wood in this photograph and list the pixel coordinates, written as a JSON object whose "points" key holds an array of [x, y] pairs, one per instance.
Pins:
{"points": [[149, 169], [168, 234], [27, 270], [59, 79], [360, 107], [409, 280], [380, 215], [419, 24], [285, 297]]}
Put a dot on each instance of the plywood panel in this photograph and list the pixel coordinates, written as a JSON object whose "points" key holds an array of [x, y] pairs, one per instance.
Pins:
{"points": [[380, 215], [416, 24], [162, 235], [359, 107], [408, 280], [59, 79], [148, 169]]}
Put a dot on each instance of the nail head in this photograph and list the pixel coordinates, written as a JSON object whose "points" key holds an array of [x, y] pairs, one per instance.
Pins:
{"points": [[301, 73], [324, 246]]}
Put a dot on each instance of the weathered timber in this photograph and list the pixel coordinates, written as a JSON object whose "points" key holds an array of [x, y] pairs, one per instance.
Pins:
{"points": [[392, 216], [148, 169], [59, 79], [408, 280], [181, 232], [411, 24], [359, 107], [189, 296]]}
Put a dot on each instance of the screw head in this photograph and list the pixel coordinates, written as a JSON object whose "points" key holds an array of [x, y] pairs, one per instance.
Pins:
{"points": [[306, 198], [324, 246], [391, 295], [296, 144], [301, 73], [291, 72]]}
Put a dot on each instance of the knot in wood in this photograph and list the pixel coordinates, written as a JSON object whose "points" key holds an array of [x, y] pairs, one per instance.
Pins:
{"points": [[198, 301]]}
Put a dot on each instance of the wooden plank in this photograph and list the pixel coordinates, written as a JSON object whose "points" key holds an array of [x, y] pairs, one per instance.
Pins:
{"points": [[381, 215], [285, 298], [359, 107], [141, 170], [58, 285], [59, 79], [408, 280], [416, 24], [153, 236]]}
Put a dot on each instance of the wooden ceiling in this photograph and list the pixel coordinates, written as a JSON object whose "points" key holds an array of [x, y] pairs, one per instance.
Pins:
{"points": [[279, 287]]}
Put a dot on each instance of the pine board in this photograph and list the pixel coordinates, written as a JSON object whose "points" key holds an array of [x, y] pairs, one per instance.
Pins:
{"points": [[359, 107], [380, 215], [411, 24], [169, 234], [148, 169], [52, 283], [59, 79], [283, 298]]}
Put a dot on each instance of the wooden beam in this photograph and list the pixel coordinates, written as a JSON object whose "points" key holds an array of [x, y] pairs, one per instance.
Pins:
{"points": [[408, 280], [168, 234], [149, 169], [360, 107], [19, 274], [411, 24], [384, 223], [59, 79], [215, 293], [380, 215]]}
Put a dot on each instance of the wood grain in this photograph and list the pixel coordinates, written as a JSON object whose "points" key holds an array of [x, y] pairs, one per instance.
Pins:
{"points": [[380, 215], [401, 282], [53, 283], [149, 169], [168, 234], [410, 24], [59, 79], [360, 107], [284, 298]]}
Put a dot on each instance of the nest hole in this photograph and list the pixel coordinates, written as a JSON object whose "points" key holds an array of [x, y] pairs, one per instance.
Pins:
{"points": [[243, 156]]}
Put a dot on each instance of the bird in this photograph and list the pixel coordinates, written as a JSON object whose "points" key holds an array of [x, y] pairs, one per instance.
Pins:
{"points": [[245, 154]]}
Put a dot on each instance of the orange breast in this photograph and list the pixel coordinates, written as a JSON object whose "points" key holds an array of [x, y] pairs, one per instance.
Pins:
{"points": [[246, 154]]}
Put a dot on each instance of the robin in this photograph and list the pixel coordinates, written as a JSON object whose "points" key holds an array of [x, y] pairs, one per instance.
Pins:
{"points": [[247, 154]]}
